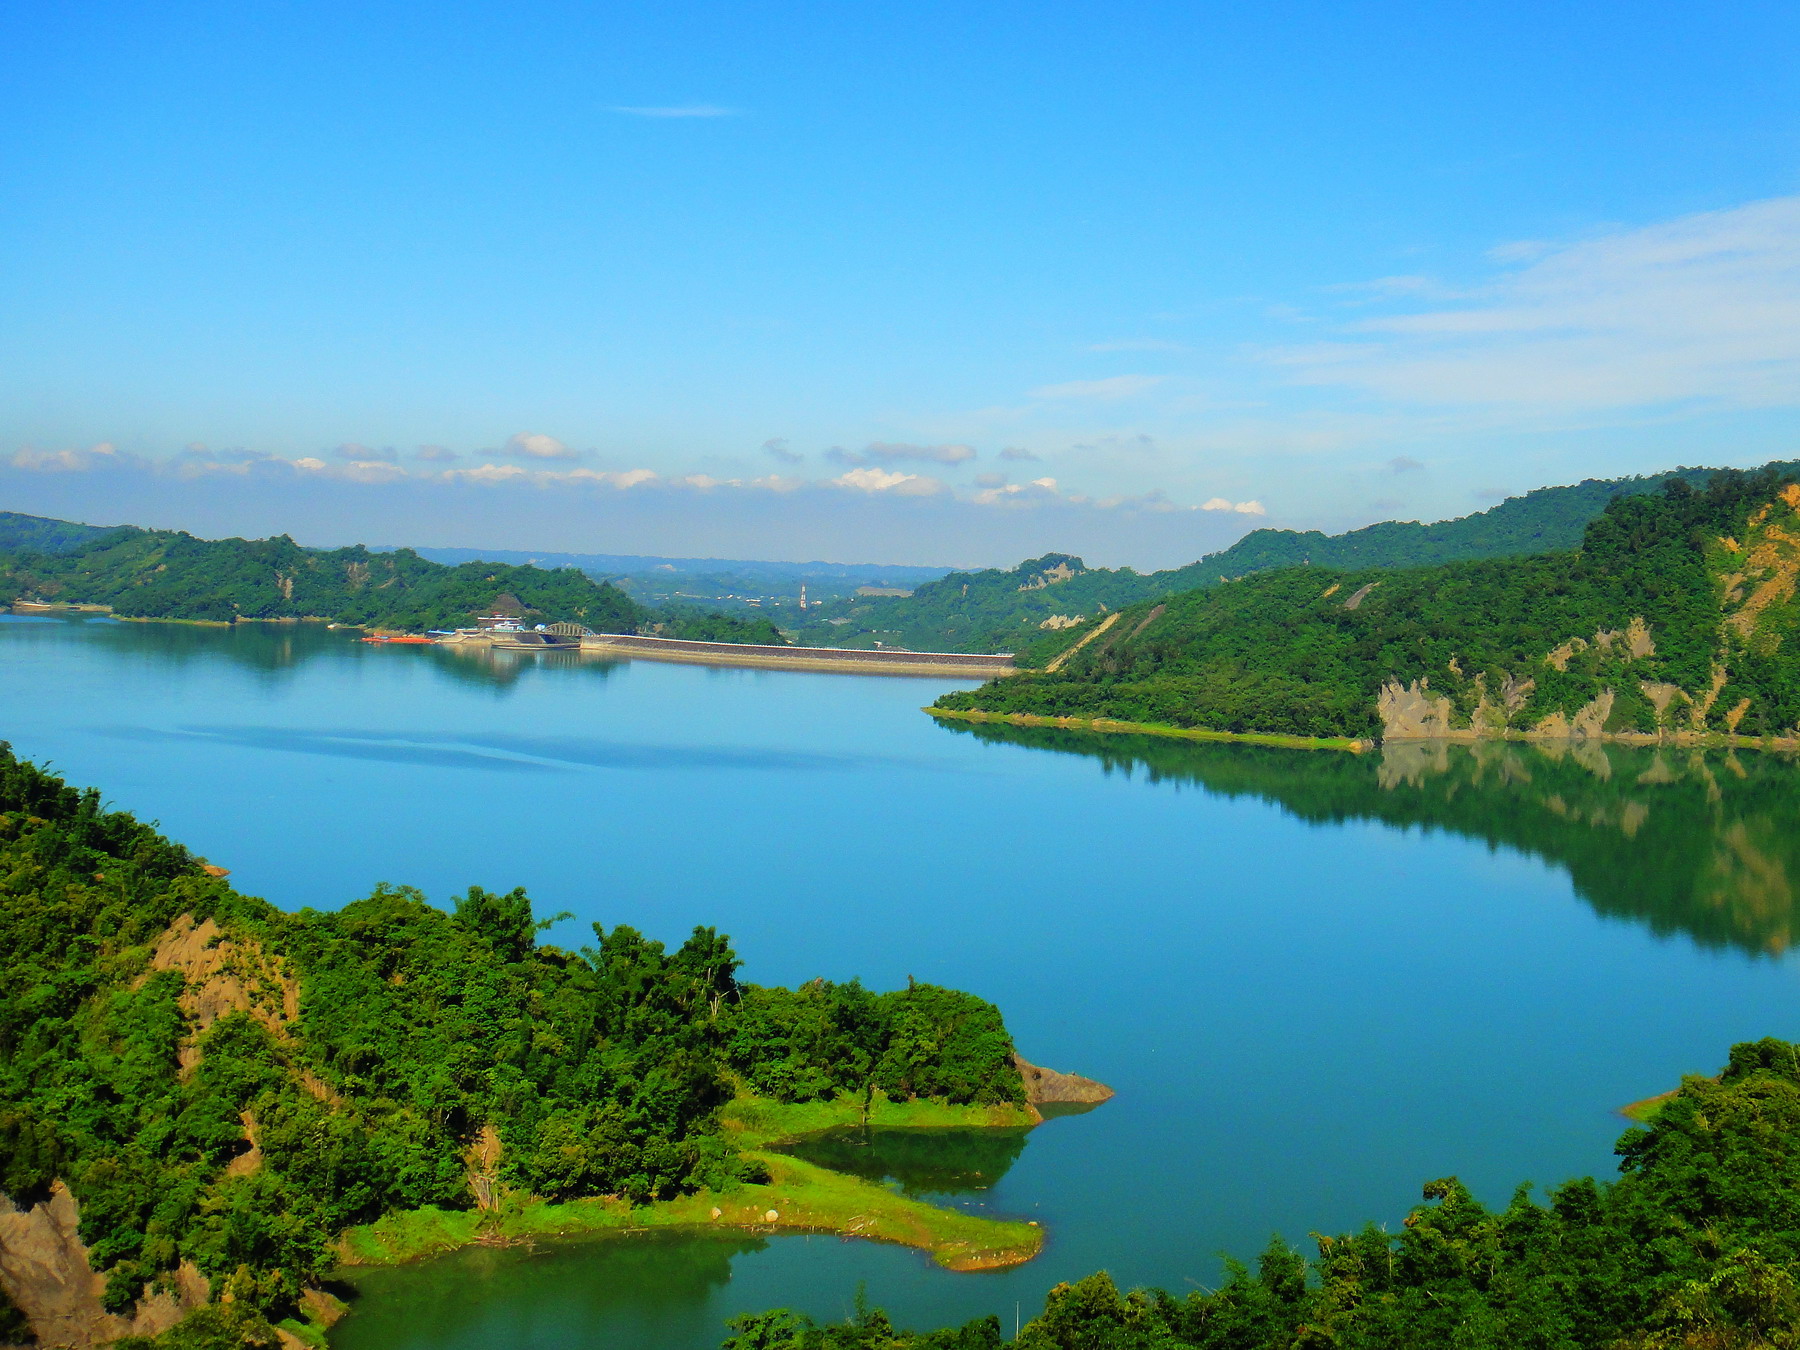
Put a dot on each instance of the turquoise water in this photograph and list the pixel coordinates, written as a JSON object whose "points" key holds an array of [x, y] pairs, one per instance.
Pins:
{"points": [[1316, 980]]}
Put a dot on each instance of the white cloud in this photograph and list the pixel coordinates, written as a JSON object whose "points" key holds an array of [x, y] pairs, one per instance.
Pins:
{"points": [[67, 461], [435, 453], [1017, 452], [888, 480], [487, 473], [681, 110], [1117, 386], [1704, 309], [536, 445], [1242, 508]]}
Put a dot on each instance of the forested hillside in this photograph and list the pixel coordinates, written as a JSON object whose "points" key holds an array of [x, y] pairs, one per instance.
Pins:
{"points": [[1673, 616], [1005, 610], [1696, 1246], [40, 534], [165, 574], [222, 1088]]}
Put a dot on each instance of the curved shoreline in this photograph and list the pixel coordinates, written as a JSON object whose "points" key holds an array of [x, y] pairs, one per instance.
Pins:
{"points": [[1156, 729], [802, 1197], [1680, 740]]}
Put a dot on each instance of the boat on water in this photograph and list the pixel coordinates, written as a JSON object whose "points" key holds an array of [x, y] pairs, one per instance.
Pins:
{"points": [[400, 639]]}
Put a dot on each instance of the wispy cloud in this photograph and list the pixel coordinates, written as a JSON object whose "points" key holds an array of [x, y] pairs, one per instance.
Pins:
{"points": [[1701, 311], [777, 448], [1117, 386], [536, 445], [364, 453], [680, 110], [890, 452], [1242, 508], [885, 480]]}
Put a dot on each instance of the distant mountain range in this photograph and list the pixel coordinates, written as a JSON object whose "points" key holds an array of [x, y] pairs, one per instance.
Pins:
{"points": [[997, 610]]}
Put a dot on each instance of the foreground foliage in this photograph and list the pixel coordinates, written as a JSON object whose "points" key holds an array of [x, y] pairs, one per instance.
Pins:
{"points": [[221, 1083], [1696, 1245]]}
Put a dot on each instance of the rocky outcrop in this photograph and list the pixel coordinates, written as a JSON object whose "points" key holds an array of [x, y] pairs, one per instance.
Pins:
{"points": [[1045, 1087], [1413, 712], [45, 1270], [482, 1158]]}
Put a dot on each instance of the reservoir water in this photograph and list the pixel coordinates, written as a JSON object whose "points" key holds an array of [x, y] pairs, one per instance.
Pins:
{"points": [[1316, 979]]}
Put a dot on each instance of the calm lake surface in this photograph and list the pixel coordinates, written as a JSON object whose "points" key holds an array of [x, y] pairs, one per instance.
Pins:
{"points": [[1317, 980]]}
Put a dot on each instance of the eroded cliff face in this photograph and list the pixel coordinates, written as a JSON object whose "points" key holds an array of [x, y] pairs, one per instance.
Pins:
{"points": [[45, 1270], [45, 1267], [223, 976], [1757, 590]]}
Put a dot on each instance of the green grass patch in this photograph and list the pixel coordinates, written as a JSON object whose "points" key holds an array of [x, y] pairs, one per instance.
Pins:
{"points": [[802, 1196], [756, 1122]]}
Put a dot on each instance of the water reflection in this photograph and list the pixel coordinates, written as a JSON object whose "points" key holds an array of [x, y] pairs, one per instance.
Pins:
{"points": [[278, 650], [655, 1287], [504, 754], [920, 1162], [1700, 843]]}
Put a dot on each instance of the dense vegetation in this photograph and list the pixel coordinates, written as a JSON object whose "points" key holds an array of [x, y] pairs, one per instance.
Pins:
{"points": [[40, 534], [1696, 1245], [164, 574], [1003, 610], [1306, 650], [235, 1099], [698, 625]]}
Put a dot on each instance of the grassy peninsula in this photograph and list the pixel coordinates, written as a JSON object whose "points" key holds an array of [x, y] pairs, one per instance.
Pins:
{"points": [[211, 1103], [1672, 620], [1695, 1246]]}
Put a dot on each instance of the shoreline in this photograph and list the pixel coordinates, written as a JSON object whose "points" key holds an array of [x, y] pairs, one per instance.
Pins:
{"points": [[1680, 740], [802, 1197], [1107, 724]]}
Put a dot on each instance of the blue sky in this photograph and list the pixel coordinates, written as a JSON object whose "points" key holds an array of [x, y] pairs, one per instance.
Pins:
{"points": [[941, 283]]}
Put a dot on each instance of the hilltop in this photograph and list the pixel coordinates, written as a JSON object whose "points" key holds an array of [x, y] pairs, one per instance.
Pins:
{"points": [[168, 574], [1005, 609], [1671, 619]]}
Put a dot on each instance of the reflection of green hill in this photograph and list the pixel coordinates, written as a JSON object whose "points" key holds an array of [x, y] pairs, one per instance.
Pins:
{"points": [[922, 1162], [1686, 841], [277, 649]]}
